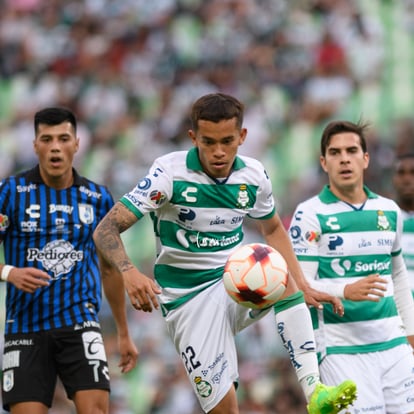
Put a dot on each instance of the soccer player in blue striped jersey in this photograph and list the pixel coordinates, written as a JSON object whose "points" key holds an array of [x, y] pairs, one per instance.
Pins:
{"points": [[198, 200], [47, 218]]}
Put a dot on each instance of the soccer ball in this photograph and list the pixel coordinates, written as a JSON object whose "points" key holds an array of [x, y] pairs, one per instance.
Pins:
{"points": [[255, 275]]}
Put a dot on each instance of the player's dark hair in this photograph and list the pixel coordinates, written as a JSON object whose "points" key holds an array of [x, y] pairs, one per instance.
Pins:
{"points": [[216, 107], [54, 116], [338, 127]]}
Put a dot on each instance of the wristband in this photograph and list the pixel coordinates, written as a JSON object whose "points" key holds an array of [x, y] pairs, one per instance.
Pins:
{"points": [[5, 272]]}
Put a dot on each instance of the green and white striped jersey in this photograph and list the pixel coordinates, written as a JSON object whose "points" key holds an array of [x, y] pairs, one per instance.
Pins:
{"points": [[197, 219], [407, 243], [349, 243]]}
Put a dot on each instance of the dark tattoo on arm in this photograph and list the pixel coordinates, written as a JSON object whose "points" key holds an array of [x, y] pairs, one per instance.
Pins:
{"points": [[108, 237]]}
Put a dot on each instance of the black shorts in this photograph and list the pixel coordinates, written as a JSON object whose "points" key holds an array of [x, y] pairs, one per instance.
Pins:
{"points": [[32, 362]]}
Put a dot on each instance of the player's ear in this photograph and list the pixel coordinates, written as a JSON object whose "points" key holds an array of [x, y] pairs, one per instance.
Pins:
{"points": [[192, 135], [322, 160], [243, 135]]}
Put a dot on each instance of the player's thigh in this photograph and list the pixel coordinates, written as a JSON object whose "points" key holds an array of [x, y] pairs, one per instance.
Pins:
{"points": [[29, 373], [81, 359], [398, 380], [203, 336]]}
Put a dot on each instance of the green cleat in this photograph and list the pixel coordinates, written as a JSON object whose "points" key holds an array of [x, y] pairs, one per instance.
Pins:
{"points": [[331, 400]]}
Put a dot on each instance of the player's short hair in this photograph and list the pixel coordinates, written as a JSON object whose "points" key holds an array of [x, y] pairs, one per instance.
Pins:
{"points": [[337, 127], [216, 107], [54, 116]]}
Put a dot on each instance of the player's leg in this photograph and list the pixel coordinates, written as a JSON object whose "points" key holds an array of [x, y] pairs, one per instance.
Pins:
{"points": [[203, 337], [228, 404], [295, 328], [28, 407], [91, 401], [83, 368], [29, 374]]}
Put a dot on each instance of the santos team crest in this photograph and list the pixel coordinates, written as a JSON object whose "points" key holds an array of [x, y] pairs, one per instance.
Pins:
{"points": [[86, 214]]}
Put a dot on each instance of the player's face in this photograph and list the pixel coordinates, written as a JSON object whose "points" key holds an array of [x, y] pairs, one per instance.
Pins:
{"points": [[404, 179], [345, 162], [55, 146], [217, 144]]}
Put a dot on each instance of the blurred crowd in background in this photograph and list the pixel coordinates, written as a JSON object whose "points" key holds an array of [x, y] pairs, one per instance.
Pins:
{"points": [[131, 69]]}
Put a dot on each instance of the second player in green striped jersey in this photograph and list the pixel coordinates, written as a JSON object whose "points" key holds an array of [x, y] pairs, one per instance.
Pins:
{"points": [[348, 242]]}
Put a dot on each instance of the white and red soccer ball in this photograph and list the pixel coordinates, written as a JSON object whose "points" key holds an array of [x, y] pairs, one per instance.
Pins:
{"points": [[255, 275]]}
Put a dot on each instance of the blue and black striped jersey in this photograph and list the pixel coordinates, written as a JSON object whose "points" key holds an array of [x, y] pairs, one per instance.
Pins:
{"points": [[52, 230]]}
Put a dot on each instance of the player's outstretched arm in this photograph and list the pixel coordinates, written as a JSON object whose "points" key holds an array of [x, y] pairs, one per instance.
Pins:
{"points": [[276, 236], [114, 290], [141, 289]]}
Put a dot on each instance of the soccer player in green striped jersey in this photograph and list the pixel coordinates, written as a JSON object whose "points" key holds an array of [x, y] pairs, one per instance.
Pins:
{"points": [[403, 180], [198, 200], [348, 242]]}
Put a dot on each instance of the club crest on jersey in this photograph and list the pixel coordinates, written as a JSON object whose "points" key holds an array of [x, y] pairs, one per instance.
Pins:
{"points": [[243, 197], [8, 380], [382, 221], [204, 388], [86, 213], [4, 222]]}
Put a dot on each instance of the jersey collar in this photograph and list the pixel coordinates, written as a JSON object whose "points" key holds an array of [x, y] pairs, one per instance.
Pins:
{"points": [[193, 161], [328, 197], [34, 176]]}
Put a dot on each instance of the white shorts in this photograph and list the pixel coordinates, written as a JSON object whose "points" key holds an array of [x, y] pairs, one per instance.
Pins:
{"points": [[203, 331], [385, 379]]}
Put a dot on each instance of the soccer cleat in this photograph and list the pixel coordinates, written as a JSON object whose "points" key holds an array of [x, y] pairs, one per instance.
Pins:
{"points": [[331, 400]]}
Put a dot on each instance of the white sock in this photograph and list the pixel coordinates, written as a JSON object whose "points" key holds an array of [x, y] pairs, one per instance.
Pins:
{"points": [[294, 326]]}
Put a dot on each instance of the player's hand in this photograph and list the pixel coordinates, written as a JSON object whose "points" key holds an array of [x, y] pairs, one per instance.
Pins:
{"points": [[129, 353], [28, 279], [370, 288], [141, 290], [316, 298]]}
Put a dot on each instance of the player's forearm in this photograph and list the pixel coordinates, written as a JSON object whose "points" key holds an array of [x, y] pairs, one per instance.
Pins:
{"points": [[115, 295], [109, 244]]}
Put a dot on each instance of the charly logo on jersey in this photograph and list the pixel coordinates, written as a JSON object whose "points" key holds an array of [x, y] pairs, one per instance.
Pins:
{"points": [[4, 222], [190, 194], [33, 211], [332, 223], [382, 221], [86, 213], [57, 257], [243, 197]]}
